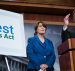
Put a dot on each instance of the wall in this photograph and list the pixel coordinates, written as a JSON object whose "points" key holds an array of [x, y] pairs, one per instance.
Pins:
{"points": [[56, 2]]}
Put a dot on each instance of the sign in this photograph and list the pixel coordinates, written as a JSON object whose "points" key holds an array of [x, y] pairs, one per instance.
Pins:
{"points": [[12, 36]]}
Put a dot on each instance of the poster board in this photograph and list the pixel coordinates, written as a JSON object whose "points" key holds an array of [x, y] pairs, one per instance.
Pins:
{"points": [[12, 35]]}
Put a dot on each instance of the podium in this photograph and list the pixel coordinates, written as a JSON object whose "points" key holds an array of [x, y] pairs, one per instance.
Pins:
{"points": [[66, 52]]}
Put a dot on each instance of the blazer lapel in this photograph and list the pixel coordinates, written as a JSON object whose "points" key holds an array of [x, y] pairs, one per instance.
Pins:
{"points": [[37, 39]]}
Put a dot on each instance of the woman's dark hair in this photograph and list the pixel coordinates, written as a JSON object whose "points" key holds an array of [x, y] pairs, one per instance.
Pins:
{"points": [[36, 26]]}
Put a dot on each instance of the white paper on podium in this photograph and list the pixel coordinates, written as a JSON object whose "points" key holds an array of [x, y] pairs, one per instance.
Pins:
{"points": [[12, 36]]}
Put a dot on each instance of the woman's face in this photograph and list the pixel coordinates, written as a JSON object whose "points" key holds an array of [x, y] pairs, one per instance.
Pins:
{"points": [[41, 29]]}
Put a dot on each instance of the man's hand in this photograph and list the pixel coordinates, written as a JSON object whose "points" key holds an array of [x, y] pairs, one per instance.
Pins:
{"points": [[43, 67], [66, 20]]}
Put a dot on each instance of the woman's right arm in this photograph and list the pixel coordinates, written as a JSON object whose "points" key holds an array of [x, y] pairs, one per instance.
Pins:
{"points": [[30, 53]]}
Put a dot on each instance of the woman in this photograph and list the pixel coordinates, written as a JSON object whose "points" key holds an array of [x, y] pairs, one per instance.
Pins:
{"points": [[40, 51]]}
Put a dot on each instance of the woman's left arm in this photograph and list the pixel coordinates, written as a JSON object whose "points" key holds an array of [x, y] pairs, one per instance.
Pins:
{"points": [[51, 58]]}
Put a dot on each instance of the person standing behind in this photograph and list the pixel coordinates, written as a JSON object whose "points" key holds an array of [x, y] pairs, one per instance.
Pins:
{"points": [[40, 50], [67, 32]]}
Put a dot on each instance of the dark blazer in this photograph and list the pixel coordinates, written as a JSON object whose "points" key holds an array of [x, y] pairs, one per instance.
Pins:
{"points": [[68, 33], [40, 53]]}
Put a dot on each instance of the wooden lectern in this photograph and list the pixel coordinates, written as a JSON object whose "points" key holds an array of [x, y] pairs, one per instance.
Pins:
{"points": [[66, 52]]}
